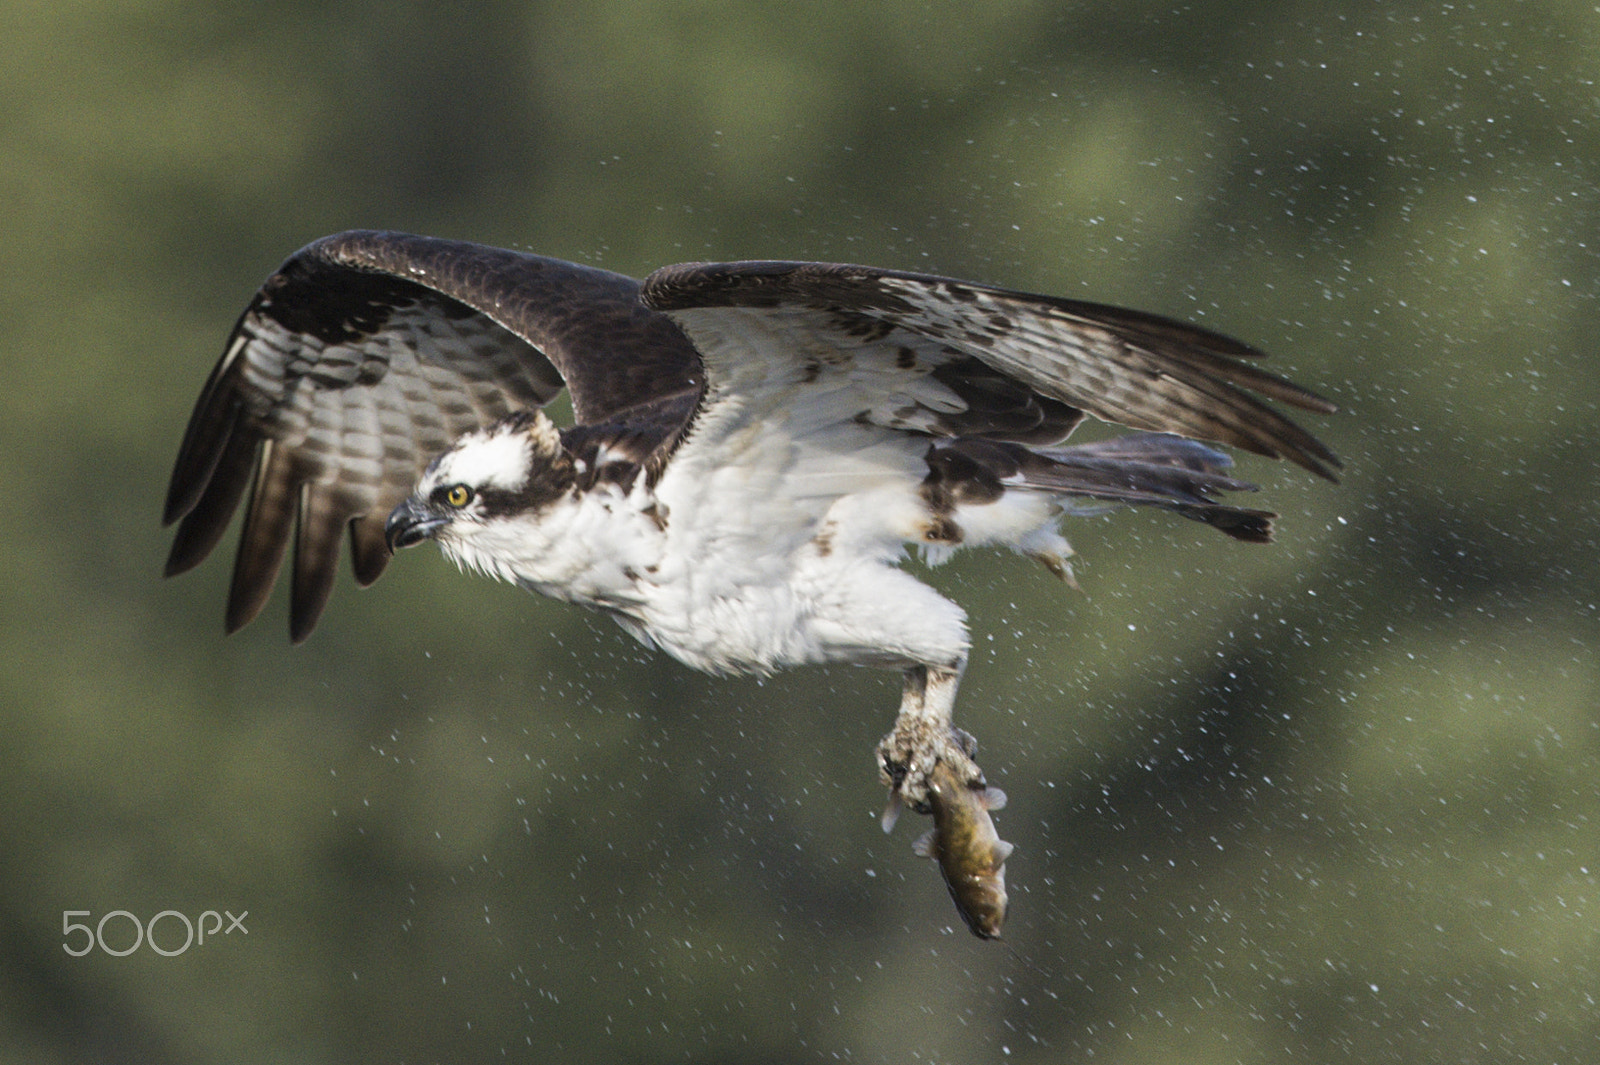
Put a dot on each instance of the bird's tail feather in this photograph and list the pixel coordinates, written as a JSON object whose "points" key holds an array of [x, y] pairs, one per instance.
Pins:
{"points": [[1151, 469], [1139, 469]]}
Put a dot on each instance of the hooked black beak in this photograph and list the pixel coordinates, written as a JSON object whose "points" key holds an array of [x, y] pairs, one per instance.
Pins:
{"points": [[411, 523]]}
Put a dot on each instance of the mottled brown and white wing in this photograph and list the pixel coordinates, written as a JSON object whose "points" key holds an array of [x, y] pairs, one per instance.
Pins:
{"points": [[1007, 365], [365, 355]]}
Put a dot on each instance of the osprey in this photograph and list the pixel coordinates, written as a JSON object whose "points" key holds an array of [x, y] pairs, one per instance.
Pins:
{"points": [[755, 446]]}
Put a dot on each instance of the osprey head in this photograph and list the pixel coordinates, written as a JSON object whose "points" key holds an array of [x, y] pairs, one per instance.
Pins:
{"points": [[509, 469]]}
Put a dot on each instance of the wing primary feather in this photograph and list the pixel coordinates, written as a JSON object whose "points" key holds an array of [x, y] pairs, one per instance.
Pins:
{"points": [[1174, 386], [1156, 327], [369, 551], [210, 427], [1211, 352], [1232, 417], [316, 557], [206, 517], [265, 537]]}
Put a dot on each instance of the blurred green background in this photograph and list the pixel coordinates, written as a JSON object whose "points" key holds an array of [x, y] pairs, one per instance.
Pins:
{"points": [[1331, 800]]}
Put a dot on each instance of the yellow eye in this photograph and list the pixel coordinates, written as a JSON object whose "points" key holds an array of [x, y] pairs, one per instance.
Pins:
{"points": [[458, 496]]}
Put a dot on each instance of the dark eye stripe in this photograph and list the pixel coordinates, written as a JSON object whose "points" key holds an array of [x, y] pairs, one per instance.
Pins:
{"points": [[544, 488]]}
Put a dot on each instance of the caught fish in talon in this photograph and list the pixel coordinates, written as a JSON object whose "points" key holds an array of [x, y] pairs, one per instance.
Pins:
{"points": [[969, 850]]}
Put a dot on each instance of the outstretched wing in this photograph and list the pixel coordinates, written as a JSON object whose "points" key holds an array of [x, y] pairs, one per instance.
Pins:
{"points": [[952, 358], [368, 353]]}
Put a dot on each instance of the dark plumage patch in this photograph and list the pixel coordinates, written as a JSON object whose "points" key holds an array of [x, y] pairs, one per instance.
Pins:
{"points": [[334, 304], [862, 327], [956, 478], [941, 530], [963, 476], [545, 485], [618, 452], [824, 286], [1001, 408], [823, 540]]}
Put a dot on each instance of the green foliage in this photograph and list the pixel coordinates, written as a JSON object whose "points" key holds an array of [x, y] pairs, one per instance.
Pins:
{"points": [[1330, 800]]}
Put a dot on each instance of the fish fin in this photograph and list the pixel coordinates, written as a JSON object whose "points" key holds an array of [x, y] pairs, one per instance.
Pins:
{"points": [[994, 799], [1003, 850], [891, 812], [923, 847]]}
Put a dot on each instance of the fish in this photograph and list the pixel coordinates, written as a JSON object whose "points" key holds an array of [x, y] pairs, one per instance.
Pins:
{"points": [[969, 850]]}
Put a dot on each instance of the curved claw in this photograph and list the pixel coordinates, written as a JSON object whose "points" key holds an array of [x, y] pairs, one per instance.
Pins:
{"points": [[891, 812]]}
